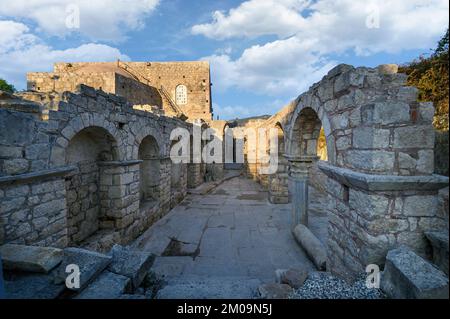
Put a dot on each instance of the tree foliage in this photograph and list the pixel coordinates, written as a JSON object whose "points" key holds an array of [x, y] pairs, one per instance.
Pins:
{"points": [[5, 86], [430, 76]]}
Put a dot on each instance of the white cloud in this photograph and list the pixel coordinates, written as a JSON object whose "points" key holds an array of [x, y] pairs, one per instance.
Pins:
{"points": [[21, 52], [310, 33], [105, 20], [254, 18]]}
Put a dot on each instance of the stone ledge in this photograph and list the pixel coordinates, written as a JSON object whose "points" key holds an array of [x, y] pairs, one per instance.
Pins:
{"points": [[371, 182], [39, 175], [119, 163]]}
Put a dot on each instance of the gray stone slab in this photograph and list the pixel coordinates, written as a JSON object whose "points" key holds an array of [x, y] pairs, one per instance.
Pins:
{"points": [[170, 266], [32, 286], [90, 263], [275, 291], [408, 276], [107, 286], [30, 258], [374, 182], [130, 263], [439, 242], [211, 288]]}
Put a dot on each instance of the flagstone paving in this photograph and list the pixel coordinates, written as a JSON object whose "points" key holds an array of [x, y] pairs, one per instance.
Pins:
{"points": [[232, 232]]}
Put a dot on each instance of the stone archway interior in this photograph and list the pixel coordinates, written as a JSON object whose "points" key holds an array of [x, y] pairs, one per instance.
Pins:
{"points": [[85, 150], [149, 170]]}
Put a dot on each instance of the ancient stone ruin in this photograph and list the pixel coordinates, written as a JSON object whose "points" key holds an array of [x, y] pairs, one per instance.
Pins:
{"points": [[85, 162]]}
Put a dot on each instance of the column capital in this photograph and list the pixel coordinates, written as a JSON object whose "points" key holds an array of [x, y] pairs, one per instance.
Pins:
{"points": [[301, 158], [299, 165]]}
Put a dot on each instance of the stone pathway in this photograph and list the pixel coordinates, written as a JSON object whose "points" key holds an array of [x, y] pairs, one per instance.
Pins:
{"points": [[233, 234]]}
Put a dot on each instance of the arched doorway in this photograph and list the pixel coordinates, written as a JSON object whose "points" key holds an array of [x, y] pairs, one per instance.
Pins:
{"points": [[149, 172], [85, 151], [307, 184]]}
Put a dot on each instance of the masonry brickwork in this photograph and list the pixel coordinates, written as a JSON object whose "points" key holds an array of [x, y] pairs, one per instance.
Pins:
{"points": [[141, 83], [90, 166]]}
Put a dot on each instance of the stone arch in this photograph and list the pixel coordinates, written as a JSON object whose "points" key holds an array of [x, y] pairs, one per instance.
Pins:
{"points": [[142, 133], [76, 125], [149, 170], [304, 132], [87, 150]]}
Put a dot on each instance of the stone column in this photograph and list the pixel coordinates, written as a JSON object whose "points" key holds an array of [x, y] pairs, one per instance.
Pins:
{"points": [[298, 181]]}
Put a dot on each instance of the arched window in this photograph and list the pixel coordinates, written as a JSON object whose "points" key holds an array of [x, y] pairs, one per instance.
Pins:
{"points": [[181, 94]]}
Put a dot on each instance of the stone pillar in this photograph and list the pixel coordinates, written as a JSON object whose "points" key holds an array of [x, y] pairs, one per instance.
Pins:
{"points": [[119, 193], [298, 187]]}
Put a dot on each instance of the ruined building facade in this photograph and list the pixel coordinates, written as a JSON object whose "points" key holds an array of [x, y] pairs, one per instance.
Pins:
{"points": [[84, 157], [175, 87]]}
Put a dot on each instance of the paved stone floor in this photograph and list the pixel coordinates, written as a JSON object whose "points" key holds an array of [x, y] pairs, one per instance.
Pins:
{"points": [[232, 232]]}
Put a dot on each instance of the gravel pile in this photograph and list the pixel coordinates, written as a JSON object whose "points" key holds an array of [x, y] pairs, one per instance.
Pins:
{"points": [[322, 285]]}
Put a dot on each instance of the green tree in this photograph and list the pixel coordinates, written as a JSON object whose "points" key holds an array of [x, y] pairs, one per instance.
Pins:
{"points": [[5, 86], [430, 76]]}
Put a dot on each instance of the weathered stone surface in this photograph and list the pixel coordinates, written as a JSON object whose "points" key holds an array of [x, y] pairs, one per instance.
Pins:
{"points": [[275, 291], [201, 287], [373, 182], [30, 258], [408, 276], [129, 263], [32, 286], [385, 113], [107, 286], [91, 264], [371, 160], [294, 277], [312, 245], [369, 137], [439, 242]]}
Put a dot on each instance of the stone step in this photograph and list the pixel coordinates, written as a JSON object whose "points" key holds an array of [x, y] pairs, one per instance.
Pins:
{"points": [[408, 276], [130, 263], [196, 287], [439, 242], [91, 264], [30, 258], [29, 285], [106, 286]]}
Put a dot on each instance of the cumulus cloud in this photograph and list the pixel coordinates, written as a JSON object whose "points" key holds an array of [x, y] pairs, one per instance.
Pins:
{"points": [[21, 52], [310, 33], [254, 18], [103, 20]]}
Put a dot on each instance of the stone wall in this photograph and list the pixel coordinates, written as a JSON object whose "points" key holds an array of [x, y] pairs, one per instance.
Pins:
{"points": [[76, 174], [121, 84], [380, 144], [194, 75]]}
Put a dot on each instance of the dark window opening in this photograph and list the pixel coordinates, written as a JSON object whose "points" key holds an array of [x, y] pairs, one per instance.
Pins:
{"points": [[346, 193]]}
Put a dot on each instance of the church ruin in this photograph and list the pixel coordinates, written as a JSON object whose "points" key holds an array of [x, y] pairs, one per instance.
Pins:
{"points": [[85, 157]]}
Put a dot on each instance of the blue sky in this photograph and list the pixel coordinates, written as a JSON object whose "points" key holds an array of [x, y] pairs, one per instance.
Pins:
{"points": [[263, 53]]}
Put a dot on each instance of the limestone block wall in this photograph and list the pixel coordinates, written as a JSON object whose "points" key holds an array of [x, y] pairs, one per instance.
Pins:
{"points": [[111, 82], [194, 75], [34, 212], [195, 176], [83, 202], [52, 193], [380, 162]]}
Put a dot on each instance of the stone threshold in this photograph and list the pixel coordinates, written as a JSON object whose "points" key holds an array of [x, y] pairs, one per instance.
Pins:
{"points": [[39, 175], [372, 182]]}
